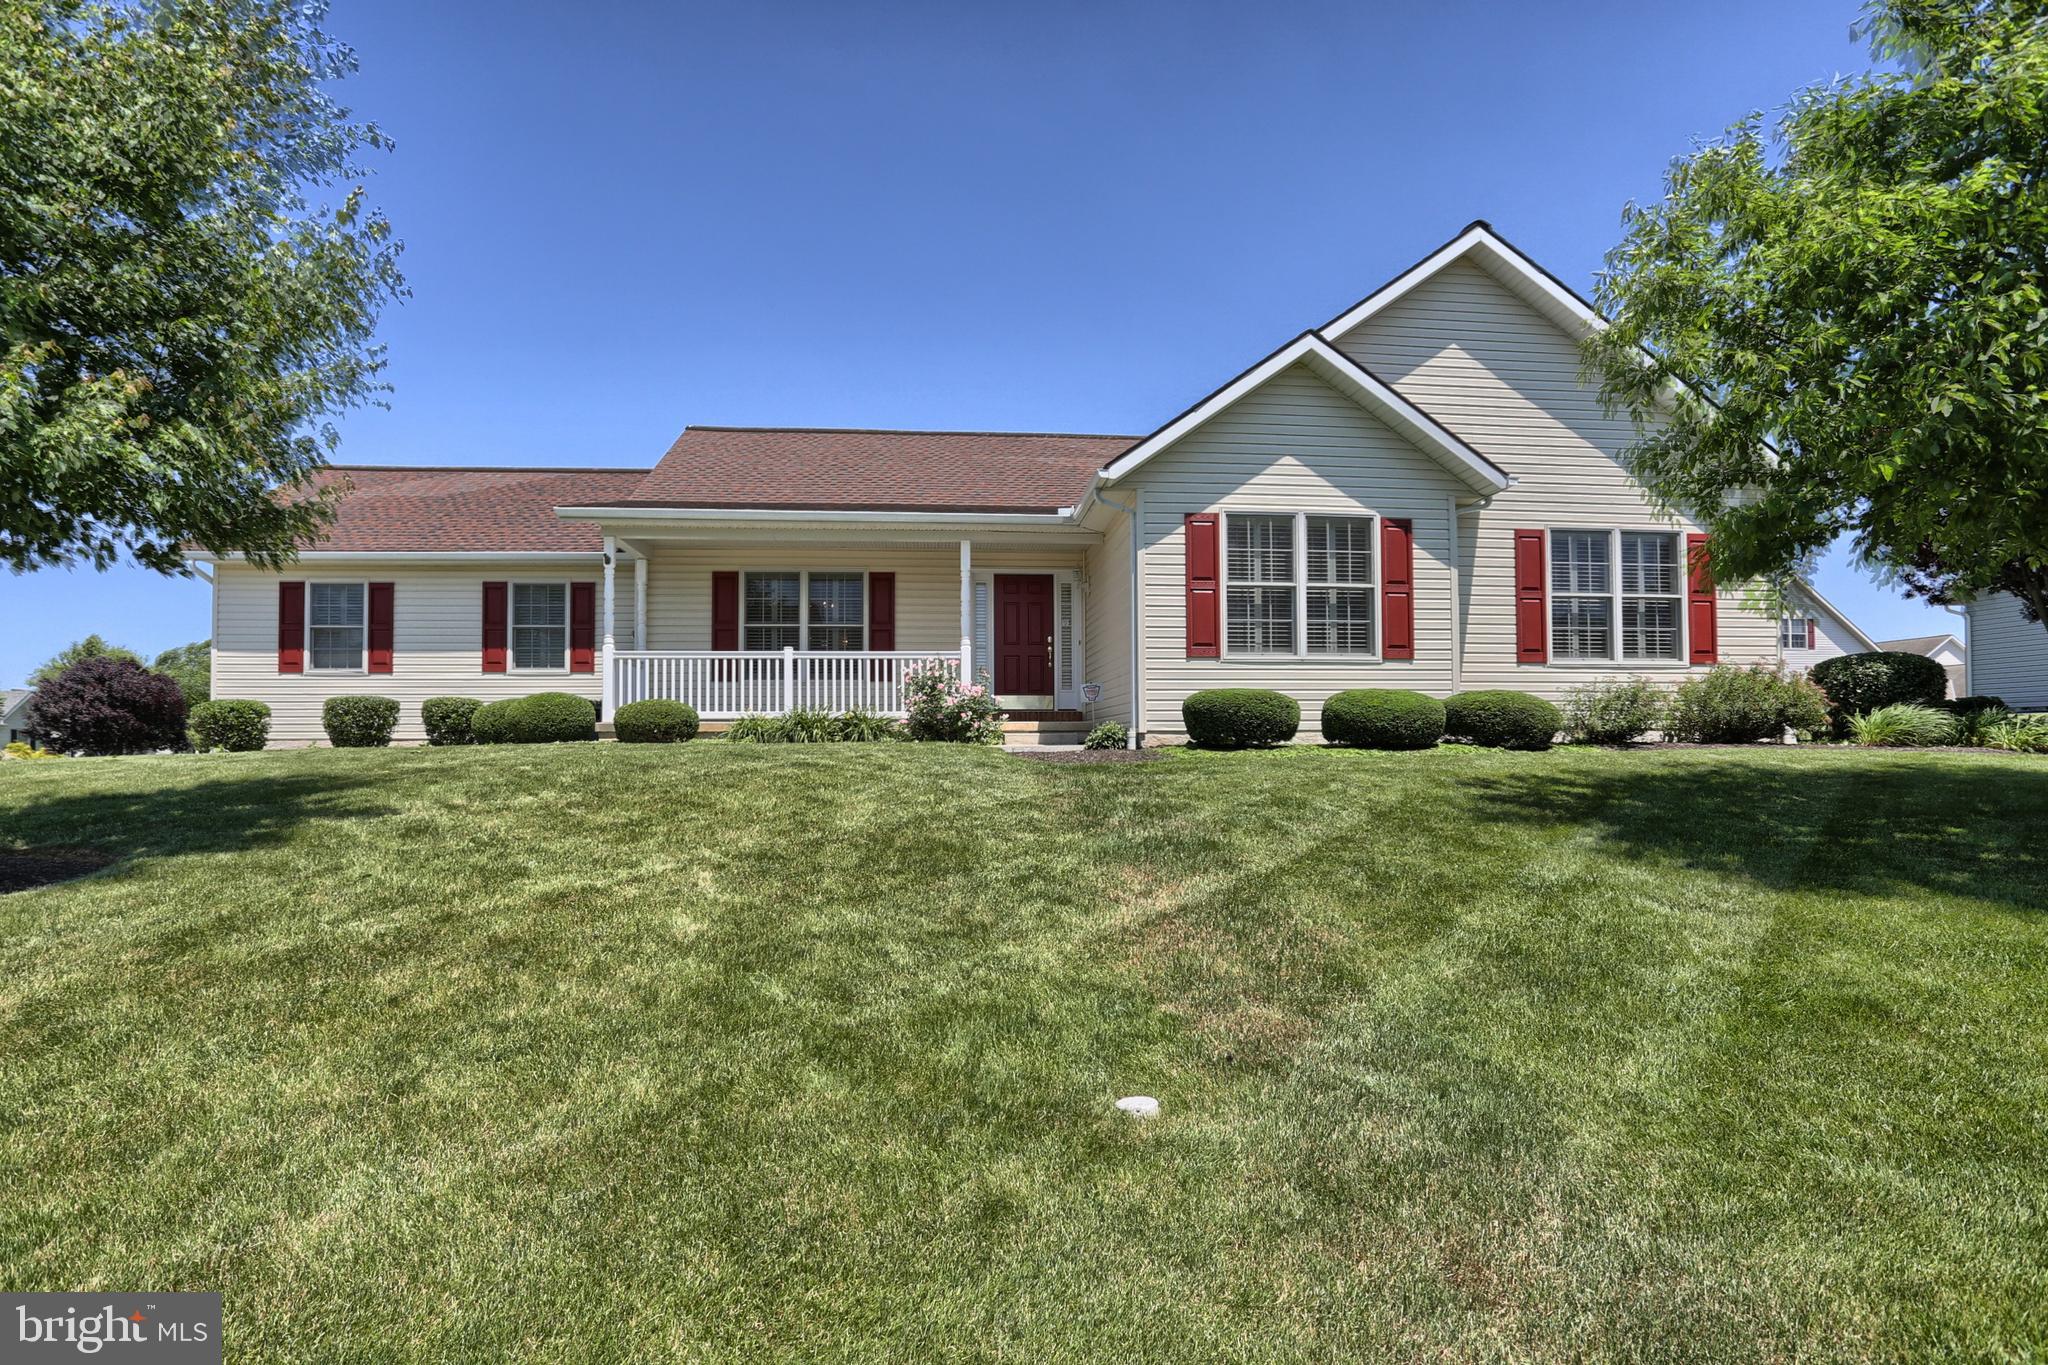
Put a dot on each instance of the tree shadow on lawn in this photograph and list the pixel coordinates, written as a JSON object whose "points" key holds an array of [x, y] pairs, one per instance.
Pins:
{"points": [[214, 816], [1903, 825]]}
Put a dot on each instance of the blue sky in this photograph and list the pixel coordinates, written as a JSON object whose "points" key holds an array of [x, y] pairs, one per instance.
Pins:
{"points": [[622, 218]]}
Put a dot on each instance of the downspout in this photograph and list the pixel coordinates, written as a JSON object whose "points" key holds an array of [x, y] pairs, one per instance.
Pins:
{"points": [[1458, 585], [1969, 655], [1130, 510]]}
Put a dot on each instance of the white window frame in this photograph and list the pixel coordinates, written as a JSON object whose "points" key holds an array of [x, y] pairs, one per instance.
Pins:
{"points": [[364, 654], [1804, 625], [1301, 653], [803, 608], [512, 623], [1614, 595]]}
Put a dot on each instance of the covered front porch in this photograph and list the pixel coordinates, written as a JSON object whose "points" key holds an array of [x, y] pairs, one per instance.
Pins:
{"points": [[833, 618]]}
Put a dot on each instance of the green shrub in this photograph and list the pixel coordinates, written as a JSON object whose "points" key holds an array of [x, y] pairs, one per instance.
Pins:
{"points": [[1108, 735], [1902, 724], [235, 726], [1860, 683], [1384, 718], [1502, 720], [807, 725], [543, 718], [655, 722], [447, 719], [359, 722], [2018, 734], [945, 707], [21, 748], [1731, 705], [756, 730], [865, 727], [1974, 716], [1620, 712], [1240, 718]]}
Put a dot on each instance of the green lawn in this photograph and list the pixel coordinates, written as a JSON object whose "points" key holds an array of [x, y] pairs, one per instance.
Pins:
{"points": [[595, 1052]]}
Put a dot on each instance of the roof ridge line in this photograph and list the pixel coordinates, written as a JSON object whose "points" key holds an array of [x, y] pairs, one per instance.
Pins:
{"points": [[497, 468]]}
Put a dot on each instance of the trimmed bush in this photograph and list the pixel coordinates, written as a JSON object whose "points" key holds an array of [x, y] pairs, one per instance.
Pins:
{"points": [[1384, 718], [234, 726], [543, 718], [1731, 705], [1614, 712], [1240, 718], [1859, 683], [1502, 720], [1903, 725], [655, 722], [359, 722], [447, 719], [108, 705], [1108, 735]]}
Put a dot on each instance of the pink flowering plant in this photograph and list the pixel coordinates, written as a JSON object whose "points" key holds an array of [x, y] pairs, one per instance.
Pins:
{"points": [[944, 706]]}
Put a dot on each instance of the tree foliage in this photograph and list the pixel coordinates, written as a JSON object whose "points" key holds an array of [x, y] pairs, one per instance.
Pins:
{"points": [[91, 647], [110, 706], [178, 318], [1834, 323], [190, 667]]}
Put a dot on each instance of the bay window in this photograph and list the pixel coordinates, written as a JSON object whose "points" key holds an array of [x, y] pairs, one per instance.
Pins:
{"points": [[1296, 584]]}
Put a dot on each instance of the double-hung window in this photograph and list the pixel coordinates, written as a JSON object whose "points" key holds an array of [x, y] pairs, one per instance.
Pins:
{"points": [[816, 612], [1792, 632], [540, 625], [1603, 616], [335, 626], [1297, 584]]}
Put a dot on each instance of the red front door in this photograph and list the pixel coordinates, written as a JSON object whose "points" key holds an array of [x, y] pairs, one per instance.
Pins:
{"points": [[1024, 634]]}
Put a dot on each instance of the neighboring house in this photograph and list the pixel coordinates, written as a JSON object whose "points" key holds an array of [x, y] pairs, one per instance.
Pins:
{"points": [[2008, 654], [1422, 493], [1945, 650], [17, 716], [1814, 629]]}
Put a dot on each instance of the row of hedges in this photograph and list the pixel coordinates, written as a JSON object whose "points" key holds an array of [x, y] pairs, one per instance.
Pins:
{"points": [[1388, 718]]}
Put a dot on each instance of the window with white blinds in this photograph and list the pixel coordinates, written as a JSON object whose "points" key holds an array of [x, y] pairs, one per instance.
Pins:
{"points": [[1259, 583], [1616, 596], [540, 625], [335, 626]]}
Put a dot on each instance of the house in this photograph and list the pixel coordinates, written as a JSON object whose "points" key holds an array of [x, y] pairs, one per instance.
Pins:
{"points": [[1421, 493], [17, 716], [1945, 650], [2008, 654], [1813, 629]]}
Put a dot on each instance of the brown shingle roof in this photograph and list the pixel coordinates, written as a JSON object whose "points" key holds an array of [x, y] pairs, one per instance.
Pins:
{"points": [[930, 471], [404, 510]]}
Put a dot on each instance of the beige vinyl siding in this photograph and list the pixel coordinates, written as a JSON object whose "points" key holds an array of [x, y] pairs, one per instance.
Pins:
{"points": [[1107, 614], [1296, 444], [2008, 654], [1831, 637], [1506, 379], [437, 640]]}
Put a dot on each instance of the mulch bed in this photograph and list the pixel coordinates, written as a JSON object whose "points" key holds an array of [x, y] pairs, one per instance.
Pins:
{"points": [[30, 868], [1080, 755]]}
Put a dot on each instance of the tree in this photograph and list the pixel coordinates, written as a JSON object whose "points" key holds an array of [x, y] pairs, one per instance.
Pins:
{"points": [[191, 668], [110, 706], [178, 320], [91, 647], [1837, 325]]}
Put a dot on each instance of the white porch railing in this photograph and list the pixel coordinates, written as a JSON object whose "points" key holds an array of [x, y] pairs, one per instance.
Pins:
{"points": [[725, 685]]}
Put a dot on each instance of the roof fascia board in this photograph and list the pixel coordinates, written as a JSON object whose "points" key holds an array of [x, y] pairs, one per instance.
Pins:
{"points": [[1812, 595], [784, 515], [423, 556], [1360, 384], [1498, 258]]}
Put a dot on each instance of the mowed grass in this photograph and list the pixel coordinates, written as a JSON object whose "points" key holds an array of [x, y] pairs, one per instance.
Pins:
{"points": [[717, 1052]]}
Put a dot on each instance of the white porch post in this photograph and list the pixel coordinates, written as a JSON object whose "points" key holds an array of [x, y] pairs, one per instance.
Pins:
{"points": [[639, 600], [966, 611], [610, 553]]}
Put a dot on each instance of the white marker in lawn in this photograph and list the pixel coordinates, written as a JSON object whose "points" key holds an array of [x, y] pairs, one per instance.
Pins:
{"points": [[1139, 1106]]}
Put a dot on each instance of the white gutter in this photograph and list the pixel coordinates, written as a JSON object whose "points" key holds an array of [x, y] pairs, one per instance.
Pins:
{"points": [[1064, 516], [1130, 510], [424, 556]]}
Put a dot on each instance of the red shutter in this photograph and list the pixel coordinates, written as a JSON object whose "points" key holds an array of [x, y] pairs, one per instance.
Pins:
{"points": [[494, 627], [1397, 593], [881, 611], [381, 596], [1532, 600], [1205, 639], [1699, 603], [291, 627], [725, 609], [1811, 631], [583, 627]]}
